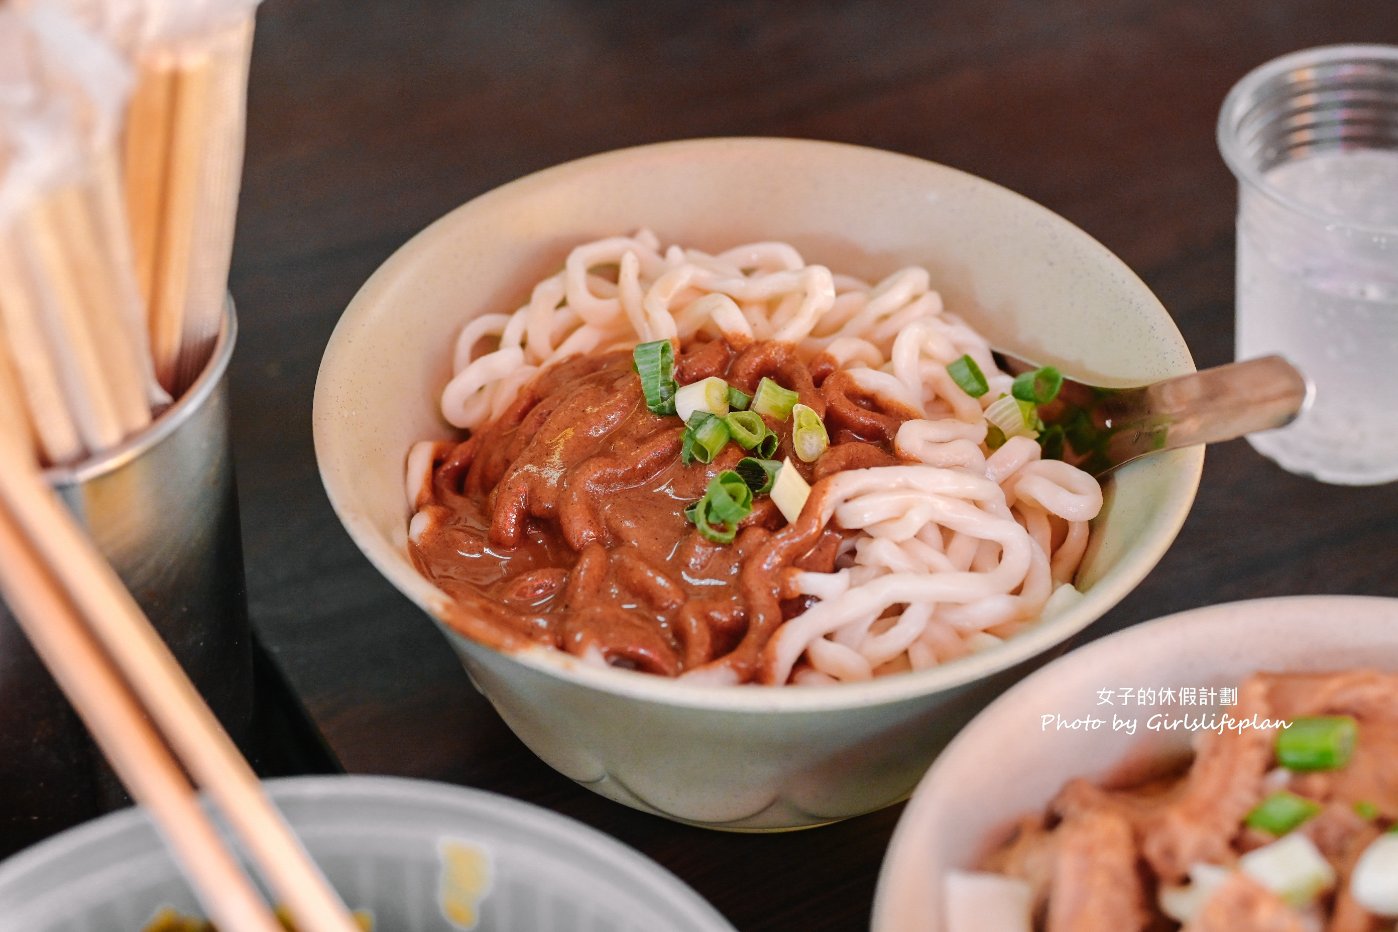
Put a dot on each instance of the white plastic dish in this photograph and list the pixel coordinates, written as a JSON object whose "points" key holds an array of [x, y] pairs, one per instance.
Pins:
{"points": [[1005, 764], [385, 844]]}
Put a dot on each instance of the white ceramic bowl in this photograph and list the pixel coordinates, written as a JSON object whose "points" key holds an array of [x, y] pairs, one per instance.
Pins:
{"points": [[384, 844], [746, 758], [1005, 765]]}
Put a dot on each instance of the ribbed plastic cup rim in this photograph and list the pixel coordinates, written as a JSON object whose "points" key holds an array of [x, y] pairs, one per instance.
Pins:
{"points": [[1240, 100]]}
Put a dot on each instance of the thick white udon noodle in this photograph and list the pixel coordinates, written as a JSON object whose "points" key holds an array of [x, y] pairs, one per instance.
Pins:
{"points": [[955, 552]]}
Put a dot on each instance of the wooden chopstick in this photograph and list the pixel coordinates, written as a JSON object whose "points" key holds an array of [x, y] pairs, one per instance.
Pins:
{"points": [[90, 265], [179, 211], [108, 207], [67, 596], [34, 365], [224, 117], [146, 148], [74, 346], [15, 421], [114, 718]]}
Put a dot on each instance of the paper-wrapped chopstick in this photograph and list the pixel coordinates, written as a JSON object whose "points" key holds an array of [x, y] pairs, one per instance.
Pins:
{"points": [[183, 146], [14, 416], [68, 292], [117, 216], [37, 392]]}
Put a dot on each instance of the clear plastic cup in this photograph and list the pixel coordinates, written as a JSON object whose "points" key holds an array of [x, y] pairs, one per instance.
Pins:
{"points": [[419, 856], [1313, 140]]}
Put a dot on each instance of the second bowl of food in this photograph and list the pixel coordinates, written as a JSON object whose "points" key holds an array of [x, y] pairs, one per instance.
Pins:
{"points": [[711, 478], [1228, 769]]}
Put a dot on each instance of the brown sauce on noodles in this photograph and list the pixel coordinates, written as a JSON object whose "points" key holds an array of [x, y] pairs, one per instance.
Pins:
{"points": [[562, 522]]}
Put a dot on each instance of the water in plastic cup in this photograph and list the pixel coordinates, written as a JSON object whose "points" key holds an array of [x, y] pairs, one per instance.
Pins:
{"points": [[1313, 140]]}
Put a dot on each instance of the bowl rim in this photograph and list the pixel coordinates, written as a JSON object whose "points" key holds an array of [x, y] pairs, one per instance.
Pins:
{"points": [[1186, 466], [907, 834], [454, 800]]}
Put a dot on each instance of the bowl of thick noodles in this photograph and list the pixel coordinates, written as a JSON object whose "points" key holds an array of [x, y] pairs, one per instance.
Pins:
{"points": [[1226, 769], [699, 455]]}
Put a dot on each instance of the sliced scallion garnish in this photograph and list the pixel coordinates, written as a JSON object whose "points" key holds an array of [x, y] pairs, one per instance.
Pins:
{"points": [[730, 499], [965, 373], [808, 436], [1013, 417], [1371, 880], [738, 400], [759, 474], [767, 446], [1323, 742], [719, 534], [709, 395], [1367, 810], [1292, 867], [773, 400], [790, 491], [1281, 812], [704, 435], [727, 501], [994, 437], [655, 364], [746, 428], [1038, 387]]}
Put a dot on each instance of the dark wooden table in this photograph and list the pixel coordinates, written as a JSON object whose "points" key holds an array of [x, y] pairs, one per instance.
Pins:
{"points": [[368, 120]]}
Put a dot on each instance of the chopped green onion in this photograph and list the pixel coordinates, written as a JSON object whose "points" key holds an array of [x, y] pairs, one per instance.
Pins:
{"points": [[1051, 442], [720, 535], [790, 491], [738, 400], [767, 446], [709, 395], [704, 435], [965, 373], [1015, 418], [977, 900], [808, 436], [726, 501], [773, 400], [1281, 812], [759, 474], [730, 499], [1183, 903], [1367, 810], [1038, 387], [655, 364], [746, 428], [1323, 742], [1082, 435], [1292, 867], [1373, 882], [994, 437]]}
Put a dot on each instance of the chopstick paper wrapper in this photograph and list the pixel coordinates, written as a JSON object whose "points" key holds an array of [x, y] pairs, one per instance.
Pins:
{"points": [[67, 290], [184, 141]]}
